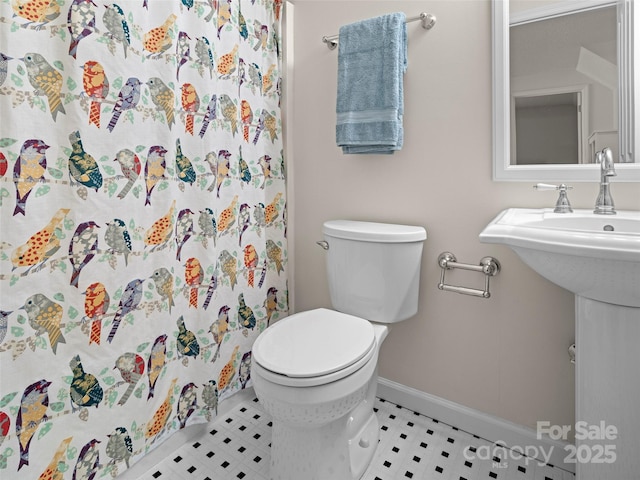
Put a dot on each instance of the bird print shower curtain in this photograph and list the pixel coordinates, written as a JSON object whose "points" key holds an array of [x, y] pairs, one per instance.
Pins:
{"points": [[143, 222]]}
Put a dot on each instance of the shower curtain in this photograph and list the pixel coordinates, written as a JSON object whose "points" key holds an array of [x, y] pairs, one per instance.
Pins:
{"points": [[143, 222]]}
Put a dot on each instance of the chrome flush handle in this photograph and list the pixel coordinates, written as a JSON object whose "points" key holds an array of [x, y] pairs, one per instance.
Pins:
{"points": [[323, 244]]}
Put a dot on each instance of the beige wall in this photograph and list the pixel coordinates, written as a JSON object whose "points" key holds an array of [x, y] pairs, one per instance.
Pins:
{"points": [[507, 355]]}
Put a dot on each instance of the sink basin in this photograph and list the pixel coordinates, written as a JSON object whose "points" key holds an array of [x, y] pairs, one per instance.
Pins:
{"points": [[593, 256]]}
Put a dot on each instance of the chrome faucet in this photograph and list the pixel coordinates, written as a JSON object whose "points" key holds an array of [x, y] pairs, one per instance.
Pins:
{"points": [[604, 202]]}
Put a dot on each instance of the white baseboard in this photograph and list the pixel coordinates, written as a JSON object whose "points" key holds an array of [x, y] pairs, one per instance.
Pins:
{"points": [[486, 426]]}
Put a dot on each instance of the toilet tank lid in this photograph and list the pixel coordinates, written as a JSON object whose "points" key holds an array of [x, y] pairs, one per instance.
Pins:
{"points": [[374, 232]]}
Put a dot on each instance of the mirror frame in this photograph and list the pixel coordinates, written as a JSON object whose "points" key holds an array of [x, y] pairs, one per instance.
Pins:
{"points": [[502, 168]]}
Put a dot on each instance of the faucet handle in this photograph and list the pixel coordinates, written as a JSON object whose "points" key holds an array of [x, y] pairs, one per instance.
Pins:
{"points": [[548, 186], [562, 205]]}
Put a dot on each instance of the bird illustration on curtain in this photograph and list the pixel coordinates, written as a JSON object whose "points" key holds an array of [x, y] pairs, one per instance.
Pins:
{"points": [[29, 171]]}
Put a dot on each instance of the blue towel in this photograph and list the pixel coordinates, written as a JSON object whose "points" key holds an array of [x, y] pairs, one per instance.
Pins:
{"points": [[372, 59]]}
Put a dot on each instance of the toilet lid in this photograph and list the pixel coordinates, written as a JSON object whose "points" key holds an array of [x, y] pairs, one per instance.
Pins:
{"points": [[313, 343]]}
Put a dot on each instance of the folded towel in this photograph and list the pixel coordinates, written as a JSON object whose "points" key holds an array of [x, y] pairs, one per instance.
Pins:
{"points": [[372, 59]]}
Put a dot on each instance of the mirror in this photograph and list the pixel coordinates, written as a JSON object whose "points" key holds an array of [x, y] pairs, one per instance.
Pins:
{"points": [[563, 78]]}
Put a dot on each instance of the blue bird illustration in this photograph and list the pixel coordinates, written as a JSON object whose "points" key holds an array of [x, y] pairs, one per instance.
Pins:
{"points": [[185, 170], [245, 313], [82, 249], [81, 22], [128, 99], [28, 171], [128, 303], [32, 412], [244, 370], [116, 23], [242, 25], [85, 390], [243, 169], [83, 168], [187, 343]]}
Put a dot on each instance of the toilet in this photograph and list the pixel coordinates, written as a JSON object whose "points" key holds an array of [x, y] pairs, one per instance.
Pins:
{"points": [[315, 372]]}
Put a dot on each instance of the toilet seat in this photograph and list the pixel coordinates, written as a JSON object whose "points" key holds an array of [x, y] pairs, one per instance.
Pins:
{"points": [[315, 347]]}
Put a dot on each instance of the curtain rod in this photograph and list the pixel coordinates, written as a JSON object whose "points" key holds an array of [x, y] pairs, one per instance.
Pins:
{"points": [[428, 21]]}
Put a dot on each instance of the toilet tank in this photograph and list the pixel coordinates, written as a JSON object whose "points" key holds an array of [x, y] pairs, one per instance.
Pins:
{"points": [[373, 269]]}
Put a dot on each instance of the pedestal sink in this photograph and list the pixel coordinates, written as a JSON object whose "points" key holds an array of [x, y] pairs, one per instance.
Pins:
{"points": [[597, 257]]}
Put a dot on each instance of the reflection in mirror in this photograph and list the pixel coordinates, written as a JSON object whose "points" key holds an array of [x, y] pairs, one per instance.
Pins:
{"points": [[563, 88], [546, 128]]}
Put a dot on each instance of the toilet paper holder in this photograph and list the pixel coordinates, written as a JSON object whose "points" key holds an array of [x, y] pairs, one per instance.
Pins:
{"points": [[488, 266]]}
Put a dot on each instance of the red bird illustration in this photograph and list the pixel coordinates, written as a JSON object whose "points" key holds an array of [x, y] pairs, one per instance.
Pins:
{"points": [[131, 367], [190, 104], [96, 86], [193, 276], [4, 165], [131, 168], [246, 115], [96, 304], [251, 262], [5, 426]]}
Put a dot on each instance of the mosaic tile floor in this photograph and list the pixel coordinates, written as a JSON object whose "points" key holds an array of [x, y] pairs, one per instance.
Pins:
{"points": [[411, 446]]}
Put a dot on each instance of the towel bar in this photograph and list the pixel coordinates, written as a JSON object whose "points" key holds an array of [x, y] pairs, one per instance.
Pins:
{"points": [[489, 266], [428, 21]]}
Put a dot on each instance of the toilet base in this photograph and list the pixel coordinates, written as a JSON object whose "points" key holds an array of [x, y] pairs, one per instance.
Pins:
{"points": [[330, 452]]}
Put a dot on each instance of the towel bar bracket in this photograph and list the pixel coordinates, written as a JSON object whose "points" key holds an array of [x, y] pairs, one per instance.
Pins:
{"points": [[428, 21], [488, 266]]}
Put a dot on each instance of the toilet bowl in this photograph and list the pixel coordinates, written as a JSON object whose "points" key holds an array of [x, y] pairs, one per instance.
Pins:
{"points": [[326, 409], [315, 372]]}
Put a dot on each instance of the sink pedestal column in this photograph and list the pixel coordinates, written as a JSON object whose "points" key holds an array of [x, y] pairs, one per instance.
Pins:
{"points": [[607, 391]]}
